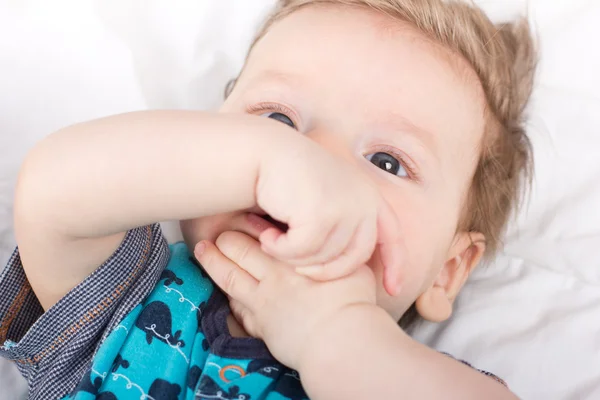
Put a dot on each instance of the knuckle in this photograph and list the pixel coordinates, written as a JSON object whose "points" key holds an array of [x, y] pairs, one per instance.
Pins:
{"points": [[242, 252], [223, 241], [230, 281], [233, 245], [240, 312], [245, 317]]}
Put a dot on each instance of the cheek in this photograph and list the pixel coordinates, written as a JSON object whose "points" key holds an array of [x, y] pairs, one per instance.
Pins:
{"points": [[420, 230], [424, 226], [428, 225], [414, 282]]}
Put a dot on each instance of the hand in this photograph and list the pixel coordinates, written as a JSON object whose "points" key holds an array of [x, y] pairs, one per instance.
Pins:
{"points": [[273, 302], [336, 216]]}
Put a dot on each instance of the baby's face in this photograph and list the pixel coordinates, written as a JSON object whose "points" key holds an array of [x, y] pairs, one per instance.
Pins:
{"points": [[377, 93]]}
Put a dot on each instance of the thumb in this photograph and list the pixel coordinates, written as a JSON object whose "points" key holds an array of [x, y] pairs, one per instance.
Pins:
{"points": [[392, 248], [244, 316]]}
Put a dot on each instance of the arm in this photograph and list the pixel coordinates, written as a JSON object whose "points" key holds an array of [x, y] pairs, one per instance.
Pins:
{"points": [[80, 189], [363, 345], [343, 345]]}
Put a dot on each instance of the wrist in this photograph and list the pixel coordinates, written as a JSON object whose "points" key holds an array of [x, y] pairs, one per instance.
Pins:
{"points": [[336, 342]]}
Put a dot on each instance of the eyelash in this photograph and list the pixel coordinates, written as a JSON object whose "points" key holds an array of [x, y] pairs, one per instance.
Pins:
{"points": [[407, 164], [276, 107]]}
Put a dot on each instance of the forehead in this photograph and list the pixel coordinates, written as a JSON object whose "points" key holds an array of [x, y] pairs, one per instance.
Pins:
{"points": [[372, 65]]}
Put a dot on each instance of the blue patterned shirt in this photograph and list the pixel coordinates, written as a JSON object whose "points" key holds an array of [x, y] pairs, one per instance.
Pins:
{"points": [[147, 324]]}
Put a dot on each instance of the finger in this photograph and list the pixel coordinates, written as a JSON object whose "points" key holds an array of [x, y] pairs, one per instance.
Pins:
{"points": [[244, 316], [297, 242], [392, 280], [334, 244], [240, 222], [246, 253], [252, 225], [232, 279], [358, 252], [391, 248]]}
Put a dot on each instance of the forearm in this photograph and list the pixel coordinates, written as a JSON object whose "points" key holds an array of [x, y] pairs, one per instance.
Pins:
{"points": [[110, 175], [364, 355]]}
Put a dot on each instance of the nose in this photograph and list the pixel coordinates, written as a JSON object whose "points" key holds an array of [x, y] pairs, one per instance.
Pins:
{"points": [[336, 143]]}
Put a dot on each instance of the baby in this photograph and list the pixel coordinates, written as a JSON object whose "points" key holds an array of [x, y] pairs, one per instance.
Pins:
{"points": [[365, 160]]}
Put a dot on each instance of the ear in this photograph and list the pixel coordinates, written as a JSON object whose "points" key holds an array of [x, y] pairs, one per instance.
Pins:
{"points": [[435, 304]]}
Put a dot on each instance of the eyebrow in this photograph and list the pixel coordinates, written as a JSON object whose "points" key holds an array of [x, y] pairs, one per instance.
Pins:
{"points": [[394, 121], [278, 77]]}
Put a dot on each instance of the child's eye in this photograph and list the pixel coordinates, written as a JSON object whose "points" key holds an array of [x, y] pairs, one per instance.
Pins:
{"points": [[277, 116], [388, 163]]}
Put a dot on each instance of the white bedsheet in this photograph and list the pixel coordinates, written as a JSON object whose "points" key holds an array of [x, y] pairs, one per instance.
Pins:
{"points": [[532, 317]]}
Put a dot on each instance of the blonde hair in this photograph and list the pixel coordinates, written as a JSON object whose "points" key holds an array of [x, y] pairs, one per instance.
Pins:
{"points": [[504, 59]]}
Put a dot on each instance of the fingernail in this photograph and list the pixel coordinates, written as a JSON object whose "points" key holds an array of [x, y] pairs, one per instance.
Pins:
{"points": [[199, 249]]}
